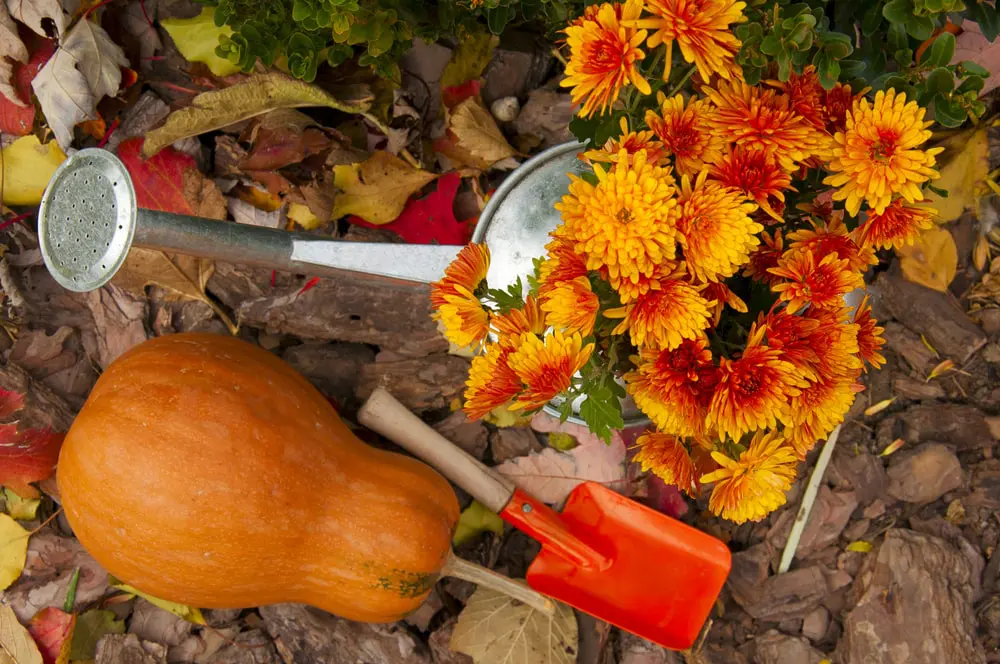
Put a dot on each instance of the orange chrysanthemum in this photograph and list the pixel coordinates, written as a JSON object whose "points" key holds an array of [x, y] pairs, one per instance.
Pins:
{"points": [[491, 382], [629, 290], [604, 55], [835, 341], [837, 102], [546, 367], [467, 272], [897, 226], [765, 257], [878, 156], [665, 316], [757, 117], [631, 142], [718, 292], [794, 336], [510, 326], [756, 173], [870, 340], [752, 487], [817, 409], [561, 263], [571, 306], [669, 460], [820, 284], [701, 29], [832, 238], [754, 390], [686, 132], [715, 228], [625, 222], [805, 95], [674, 387]]}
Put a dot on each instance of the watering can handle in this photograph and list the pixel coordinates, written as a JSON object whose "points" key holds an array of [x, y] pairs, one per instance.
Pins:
{"points": [[382, 413]]}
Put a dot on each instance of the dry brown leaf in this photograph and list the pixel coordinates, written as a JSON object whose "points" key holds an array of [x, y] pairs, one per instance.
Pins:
{"points": [[477, 135], [11, 48], [496, 629], [16, 644], [972, 45], [376, 189], [931, 261]]}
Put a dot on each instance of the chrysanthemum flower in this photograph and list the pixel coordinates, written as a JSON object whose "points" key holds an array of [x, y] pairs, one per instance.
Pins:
{"points": [[510, 326], [467, 271], [669, 460], [817, 409], [805, 95], [631, 142], [870, 340], [674, 387], [832, 238], [604, 55], [629, 290], [756, 173], [664, 317], [718, 292], [466, 322], [686, 132], [715, 228], [625, 222], [757, 117], [765, 257], [878, 156], [794, 336], [835, 340], [754, 486], [820, 284], [571, 306], [491, 382], [837, 102], [753, 391], [701, 29], [546, 367], [561, 263], [897, 226]]}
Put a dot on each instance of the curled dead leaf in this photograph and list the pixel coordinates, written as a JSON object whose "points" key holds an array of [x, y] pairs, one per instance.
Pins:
{"points": [[16, 644], [474, 139], [376, 189]]}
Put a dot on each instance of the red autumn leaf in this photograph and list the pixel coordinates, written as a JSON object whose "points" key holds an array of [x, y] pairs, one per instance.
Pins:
{"points": [[430, 220], [456, 94], [18, 120], [159, 180], [52, 630], [26, 455], [10, 403]]}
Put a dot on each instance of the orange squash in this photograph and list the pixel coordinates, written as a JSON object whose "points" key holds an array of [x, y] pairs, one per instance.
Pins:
{"points": [[206, 471]]}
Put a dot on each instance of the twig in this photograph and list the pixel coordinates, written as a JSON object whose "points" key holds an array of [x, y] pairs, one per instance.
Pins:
{"points": [[559, 56], [680, 83], [807, 501]]}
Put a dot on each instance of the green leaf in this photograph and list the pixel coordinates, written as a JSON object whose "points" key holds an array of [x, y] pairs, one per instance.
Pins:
{"points": [[837, 45], [941, 52], [196, 39], [602, 412], [498, 18], [770, 45], [470, 58], [943, 193], [896, 37], [22, 509], [871, 20], [904, 57], [947, 113], [919, 27], [898, 11], [973, 83], [974, 69], [476, 519], [940, 81], [511, 298], [563, 442], [89, 629], [190, 614]]}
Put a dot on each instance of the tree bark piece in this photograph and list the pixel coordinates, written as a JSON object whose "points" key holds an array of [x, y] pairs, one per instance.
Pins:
{"points": [[420, 383], [128, 649]]}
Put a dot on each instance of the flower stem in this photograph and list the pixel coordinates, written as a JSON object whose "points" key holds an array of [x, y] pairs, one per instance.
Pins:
{"points": [[682, 82]]}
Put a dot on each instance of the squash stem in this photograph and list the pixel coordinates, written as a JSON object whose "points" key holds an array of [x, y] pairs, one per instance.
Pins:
{"points": [[482, 576]]}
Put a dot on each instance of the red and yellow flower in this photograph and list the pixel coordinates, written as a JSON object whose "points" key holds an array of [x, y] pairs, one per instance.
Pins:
{"points": [[870, 340], [805, 95], [818, 408], [491, 383], [897, 226], [821, 284], [756, 173], [674, 387], [546, 366], [510, 326], [465, 320], [561, 263], [571, 306], [665, 316], [668, 458], [631, 142], [832, 238], [686, 132], [719, 292], [765, 257]]}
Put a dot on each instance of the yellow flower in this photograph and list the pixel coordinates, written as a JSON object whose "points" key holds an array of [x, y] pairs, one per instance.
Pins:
{"points": [[491, 382], [466, 322], [719, 292], [752, 487], [832, 238], [701, 29], [756, 117], [561, 263], [669, 460], [715, 228], [821, 284], [604, 55], [629, 141], [674, 387], [625, 222], [870, 340], [897, 226], [467, 271], [546, 367], [818, 408], [879, 155], [686, 132], [510, 326], [572, 306], [665, 316]]}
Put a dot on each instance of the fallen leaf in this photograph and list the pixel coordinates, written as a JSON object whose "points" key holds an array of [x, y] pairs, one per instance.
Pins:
{"points": [[928, 346], [11, 48], [469, 59], [376, 189], [981, 252], [879, 407], [964, 167], [475, 138], [550, 475], [563, 442], [52, 630], [942, 367], [189, 614], [26, 455], [33, 12], [931, 260], [892, 447], [431, 219], [90, 627], [476, 519], [303, 216], [16, 644], [246, 213], [86, 68], [197, 37], [18, 119], [139, 20], [496, 629], [955, 512], [255, 96], [281, 138], [27, 168], [22, 509], [973, 46], [860, 546], [13, 552]]}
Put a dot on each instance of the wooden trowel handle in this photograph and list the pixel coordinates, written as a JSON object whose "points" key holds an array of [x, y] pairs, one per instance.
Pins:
{"points": [[383, 414]]}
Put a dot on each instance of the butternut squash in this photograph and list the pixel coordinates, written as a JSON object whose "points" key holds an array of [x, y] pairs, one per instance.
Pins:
{"points": [[204, 470]]}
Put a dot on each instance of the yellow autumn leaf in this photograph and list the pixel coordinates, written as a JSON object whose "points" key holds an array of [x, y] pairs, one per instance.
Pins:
{"points": [[860, 546], [879, 407], [478, 141], [470, 58], [475, 519], [184, 611], [303, 216], [197, 37], [16, 644], [962, 175], [27, 168], [931, 260], [376, 189], [13, 550], [22, 509], [892, 447]]}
